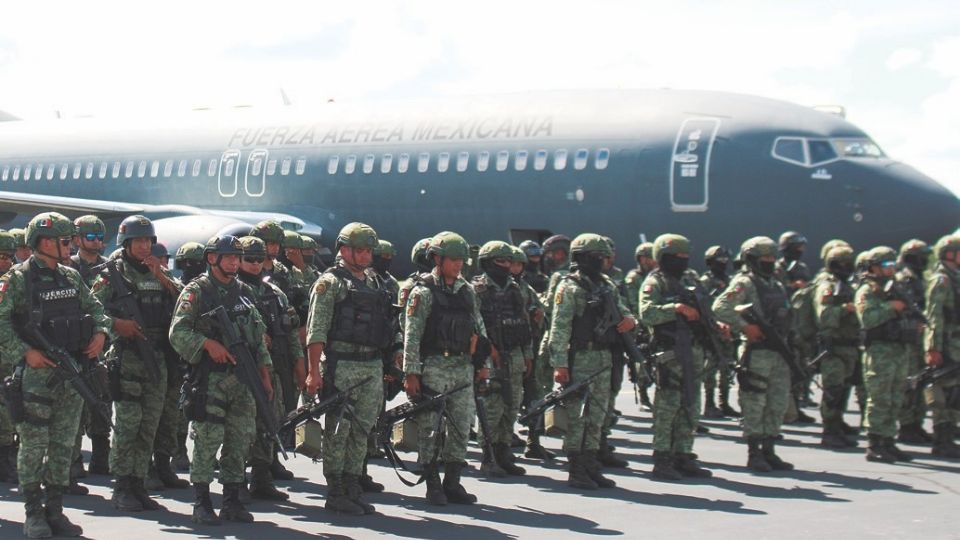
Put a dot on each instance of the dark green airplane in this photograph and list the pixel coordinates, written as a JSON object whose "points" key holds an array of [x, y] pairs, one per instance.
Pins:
{"points": [[631, 164]]}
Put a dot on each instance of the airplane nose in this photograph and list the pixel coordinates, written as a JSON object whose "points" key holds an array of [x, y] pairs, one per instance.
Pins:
{"points": [[935, 210]]}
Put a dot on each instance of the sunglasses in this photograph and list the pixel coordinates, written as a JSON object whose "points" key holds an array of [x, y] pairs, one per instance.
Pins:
{"points": [[253, 260], [90, 237], [888, 264], [65, 241]]}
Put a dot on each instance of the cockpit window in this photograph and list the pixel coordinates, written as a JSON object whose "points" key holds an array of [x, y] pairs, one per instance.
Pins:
{"points": [[821, 152], [810, 152], [790, 149], [858, 148]]}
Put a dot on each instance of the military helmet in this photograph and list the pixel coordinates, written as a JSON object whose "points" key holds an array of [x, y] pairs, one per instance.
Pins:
{"points": [[8, 244], [590, 243], [791, 238], [670, 244], [357, 235], [419, 250], [136, 227], [841, 254], [159, 251], [862, 262], [643, 250], [518, 255], [292, 240], [881, 254], [252, 245], [190, 251], [268, 230], [223, 245], [20, 236], [531, 248], [449, 244], [495, 249], [915, 247], [716, 253], [611, 243], [89, 224], [557, 241], [947, 247], [309, 242], [50, 224], [385, 249], [830, 244], [758, 246]]}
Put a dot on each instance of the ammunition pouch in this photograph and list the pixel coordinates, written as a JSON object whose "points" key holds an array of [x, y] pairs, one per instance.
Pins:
{"points": [[193, 394], [113, 378], [11, 390], [71, 333]]}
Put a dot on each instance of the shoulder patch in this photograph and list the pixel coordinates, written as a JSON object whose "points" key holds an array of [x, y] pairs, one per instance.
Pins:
{"points": [[320, 288], [412, 305], [185, 306]]}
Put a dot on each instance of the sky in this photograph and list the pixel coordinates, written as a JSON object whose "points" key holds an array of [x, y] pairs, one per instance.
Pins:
{"points": [[894, 66]]}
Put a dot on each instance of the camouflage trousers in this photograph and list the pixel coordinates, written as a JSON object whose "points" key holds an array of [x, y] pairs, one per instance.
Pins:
{"points": [[230, 423], [616, 383], [836, 374], [137, 412], [442, 374], [712, 370], [584, 432], [264, 447], [503, 401], [7, 429], [764, 394], [936, 397], [675, 423], [914, 408], [283, 368], [91, 425], [49, 430], [884, 374], [171, 418], [345, 441]]}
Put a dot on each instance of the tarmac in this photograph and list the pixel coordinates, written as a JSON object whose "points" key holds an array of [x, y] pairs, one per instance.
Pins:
{"points": [[831, 494]]}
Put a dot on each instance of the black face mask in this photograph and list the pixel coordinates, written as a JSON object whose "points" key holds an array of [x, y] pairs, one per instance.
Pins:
{"points": [[497, 273], [793, 253], [718, 269], [530, 267], [673, 265], [763, 269], [589, 263], [915, 263], [381, 265], [250, 279], [190, 270], [841, 270]]}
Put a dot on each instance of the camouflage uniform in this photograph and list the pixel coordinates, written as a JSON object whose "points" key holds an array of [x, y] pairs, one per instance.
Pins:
{"points": [[715, 282], [8, 449], [632, 283], [942, 335], [913, 261]]}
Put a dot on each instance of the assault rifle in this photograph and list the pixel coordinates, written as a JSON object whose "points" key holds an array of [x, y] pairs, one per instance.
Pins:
{"points": [[332, 400], [774, 340], [557, 396]]}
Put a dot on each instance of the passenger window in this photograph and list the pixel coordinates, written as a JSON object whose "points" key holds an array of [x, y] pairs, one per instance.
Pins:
{"points": [[580, 160], [386, 163], [443, 161], [332, 164], [463, 160], [403, 163], [88, 172], [520, 162], [196, 168], [51, 171], [603, 158], [5, 175], [154, 169], [128, 170], [212, 168], [271, 167], [790, 149], [423, 162], [16, 172], [301, 166], [77, 169], [351, 164], [38, 174], [116, 170], [26, 172], [64, 170], [483, 161], [503, 159], [101, 174], [821, 152], [560, 160], [142, 169], [181, 168], [168, 168], [540, 160], [228, 168], [256, 166], [368, 164], [285, 166]]}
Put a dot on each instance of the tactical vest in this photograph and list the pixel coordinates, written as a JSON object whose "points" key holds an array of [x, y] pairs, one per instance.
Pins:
{"points": [[504, 315], [583, 331], [538, 281], [363, 317], [271, 308], [239, 305], [156, 303], [914, 285], [897, 330], [450, 325], [53, 305], [85, 268], [773, 303], [663, 334]]}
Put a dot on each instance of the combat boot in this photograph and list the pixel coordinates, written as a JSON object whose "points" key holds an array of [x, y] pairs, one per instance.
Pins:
{"points": [[233, 509], [435, 495], [8, 468], [686, 465], [123, 497], [756, 461], [579, 477], [203, 513], [100, 456], [166, 474], [913, 434], [76, 468], [894, 451], [503, 456], [367, 483], [452, 488], [833, 437], [278, 471], [35, 525], [663, 466], [943, 443], [710, 409], [645, 398], [181, 461], [152, 481], [140, 492], [770, 454], [725, 407], [592, 464], [876, 451], [337, 500], [535, 450], [804, 418], [489, 467], [607, 457], [351, 485], [58, 522], [77, 472], [262, 487], [244, 496]]}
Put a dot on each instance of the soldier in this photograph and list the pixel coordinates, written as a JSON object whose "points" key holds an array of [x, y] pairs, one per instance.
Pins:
{"points": [[422, 264], [190, 261], [532, 273], [715, 281], [89, 242], [23, 250], [442, 326], [886, 331], [308, 251], [138, 404], [382, 259], [223, 410], [44, 294], [614, 272], [634, 278], [556, 252], [676, 405], [838, 332], [350, 325], [912, 262], [503, 308], [284, 346], [941, 341], [383, 256], [791, 270], [293, 250], [764, 380], [8, 449]]}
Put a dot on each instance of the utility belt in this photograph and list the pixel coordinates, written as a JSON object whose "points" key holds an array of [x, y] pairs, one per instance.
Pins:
{"points": [[356, 356], [577, 346], [895, 331], [835, 342]]}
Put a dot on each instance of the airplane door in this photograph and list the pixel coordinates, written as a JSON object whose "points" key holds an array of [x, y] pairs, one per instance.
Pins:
{"points": [[227, 175], [255, 175], [690, 165]]}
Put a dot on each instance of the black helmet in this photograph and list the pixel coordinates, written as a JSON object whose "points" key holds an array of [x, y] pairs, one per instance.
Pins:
{"points": [[531, 248], [136, 227], [223, 245], [557, 241], [159, 251]]}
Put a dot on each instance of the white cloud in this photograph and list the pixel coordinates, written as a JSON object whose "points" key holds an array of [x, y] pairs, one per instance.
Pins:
{"points": [[903, 58]]}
